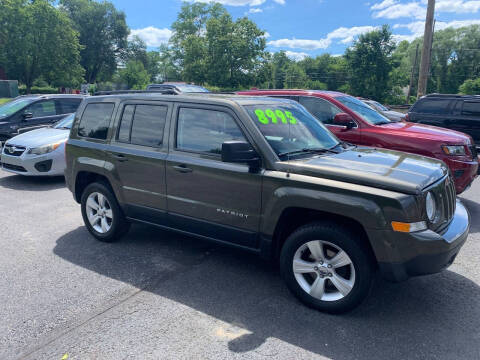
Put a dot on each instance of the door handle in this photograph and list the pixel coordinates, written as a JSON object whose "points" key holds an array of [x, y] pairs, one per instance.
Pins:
{"points": [[182, 168], [120, 157]]}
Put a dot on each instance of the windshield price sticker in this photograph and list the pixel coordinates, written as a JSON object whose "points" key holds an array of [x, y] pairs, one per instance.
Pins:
{"points": [[275, 116]]}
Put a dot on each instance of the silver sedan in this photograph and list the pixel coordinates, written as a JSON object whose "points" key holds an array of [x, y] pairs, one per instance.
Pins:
{"points": [[38, 152]]}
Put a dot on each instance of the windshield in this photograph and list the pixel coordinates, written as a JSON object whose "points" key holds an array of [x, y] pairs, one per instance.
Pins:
{"points": [[380, 106], [13, 106], [190, 88], [363, 110], [289, 128], [65, 123]]}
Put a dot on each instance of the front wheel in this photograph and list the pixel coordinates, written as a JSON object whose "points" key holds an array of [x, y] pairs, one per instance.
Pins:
{"points": [[102, 214], [326, 267]]}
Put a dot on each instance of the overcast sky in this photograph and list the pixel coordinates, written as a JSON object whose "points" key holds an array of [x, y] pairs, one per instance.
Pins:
{"points": [[308, 27]]}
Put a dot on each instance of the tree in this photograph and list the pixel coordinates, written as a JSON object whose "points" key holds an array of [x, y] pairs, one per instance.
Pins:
{"points": [[235, 51], [136, 50], [103, 35], [369, 61], [470, 87], [50, 51], [134, 75]]}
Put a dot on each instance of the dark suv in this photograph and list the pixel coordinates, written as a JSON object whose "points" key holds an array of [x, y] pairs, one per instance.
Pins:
{"points": [[264, 175], [26, 113], [456, 112]]}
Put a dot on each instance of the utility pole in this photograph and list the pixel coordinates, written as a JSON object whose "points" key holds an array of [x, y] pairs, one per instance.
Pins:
{"points": [[426, 50], [412, 75]]}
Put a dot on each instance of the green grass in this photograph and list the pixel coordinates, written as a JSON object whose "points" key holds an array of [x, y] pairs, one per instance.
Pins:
{"points": [[4, 100]]}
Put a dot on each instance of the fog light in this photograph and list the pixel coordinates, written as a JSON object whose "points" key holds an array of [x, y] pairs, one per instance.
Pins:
{"points": [[43, 166]]}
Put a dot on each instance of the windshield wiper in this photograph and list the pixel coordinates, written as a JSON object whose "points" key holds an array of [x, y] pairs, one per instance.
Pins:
{"points": [[383, 123], [310, 150]]}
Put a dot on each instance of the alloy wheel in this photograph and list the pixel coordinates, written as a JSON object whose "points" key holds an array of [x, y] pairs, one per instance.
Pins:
{"points": [[99, 212], [324, 270]]}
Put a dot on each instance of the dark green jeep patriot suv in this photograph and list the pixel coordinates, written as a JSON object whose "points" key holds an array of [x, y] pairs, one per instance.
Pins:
{"points": [[264, 175]]}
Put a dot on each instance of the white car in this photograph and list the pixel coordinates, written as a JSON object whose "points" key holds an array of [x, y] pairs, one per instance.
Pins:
{"points": [[38, 152]]}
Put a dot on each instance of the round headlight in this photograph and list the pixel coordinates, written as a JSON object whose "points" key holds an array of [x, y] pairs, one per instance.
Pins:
{"points": [[430, 206]]}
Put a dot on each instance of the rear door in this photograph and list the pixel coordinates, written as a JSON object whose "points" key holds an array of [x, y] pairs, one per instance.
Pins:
{"points": [[433, 111], [469, 120], [69, 105], [205, 195], [325, 111], [137, 153]]}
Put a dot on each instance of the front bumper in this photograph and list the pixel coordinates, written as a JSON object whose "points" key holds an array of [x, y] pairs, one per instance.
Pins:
{"points": [[424, 252], [35, 165], [463, 172]]}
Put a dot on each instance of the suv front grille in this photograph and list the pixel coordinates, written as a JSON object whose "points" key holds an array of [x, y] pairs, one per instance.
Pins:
{"points": [[446, 198], [13, 150]]}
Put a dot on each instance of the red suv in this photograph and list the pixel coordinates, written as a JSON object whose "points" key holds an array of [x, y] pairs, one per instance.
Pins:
{"points": [[353, 121]]}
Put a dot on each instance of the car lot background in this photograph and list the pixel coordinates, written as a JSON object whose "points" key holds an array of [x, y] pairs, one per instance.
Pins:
{"points": [[157, 294]]}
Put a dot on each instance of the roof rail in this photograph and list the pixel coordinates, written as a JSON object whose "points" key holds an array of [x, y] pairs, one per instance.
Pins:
{"points": [[451, 95], [153, 91]]}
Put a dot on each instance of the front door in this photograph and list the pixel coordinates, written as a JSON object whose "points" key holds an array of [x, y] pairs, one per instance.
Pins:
{"points": [[43, 113], [205, 195], [325, 111], [137, 153]]}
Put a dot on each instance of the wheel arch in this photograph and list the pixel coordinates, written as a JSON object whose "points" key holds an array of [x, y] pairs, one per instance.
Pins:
{"points": [[293, 218]]}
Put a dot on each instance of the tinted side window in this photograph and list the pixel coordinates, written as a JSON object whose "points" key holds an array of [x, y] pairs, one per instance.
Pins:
{"points": [[471, 109], [69, 105], [95, 120], [148, 124], [142, 124], [126, 123], [321, 109], [42, 108], [432, 106], [205, 130]]}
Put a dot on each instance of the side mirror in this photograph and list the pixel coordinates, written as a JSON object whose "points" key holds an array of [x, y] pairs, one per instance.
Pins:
{"points": [[240, 152], [27, 115], [344, 119]]}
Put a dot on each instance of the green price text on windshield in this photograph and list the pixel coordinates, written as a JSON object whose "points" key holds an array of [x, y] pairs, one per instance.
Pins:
{"points": [[275, 117]]}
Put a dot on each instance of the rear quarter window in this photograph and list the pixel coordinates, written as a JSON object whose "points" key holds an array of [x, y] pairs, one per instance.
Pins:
{"points": [[432, 106], [471, 108], [95, 120]]}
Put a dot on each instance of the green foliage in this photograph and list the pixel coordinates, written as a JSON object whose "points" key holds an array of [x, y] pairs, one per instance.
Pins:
{"points": [[4, 100], [369, 61], [134, 75], [470, 87], [103, 35], [209, 47], [22, 90], [37, 40]]}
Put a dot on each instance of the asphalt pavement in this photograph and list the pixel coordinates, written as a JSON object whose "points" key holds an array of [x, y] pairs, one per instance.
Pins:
{"points": [[159, 295]]}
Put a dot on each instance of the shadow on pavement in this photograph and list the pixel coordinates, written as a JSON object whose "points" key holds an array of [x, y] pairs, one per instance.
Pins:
{"points": [[474, 210], [32, 183], [430, 317]]}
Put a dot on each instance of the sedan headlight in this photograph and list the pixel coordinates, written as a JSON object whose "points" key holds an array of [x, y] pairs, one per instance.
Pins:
{"points": [[430, 206], [454, 150], [44, 149]]}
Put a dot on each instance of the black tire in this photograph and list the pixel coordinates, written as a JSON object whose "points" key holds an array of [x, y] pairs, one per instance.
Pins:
{"points": [[361, 259], [119, 224]]}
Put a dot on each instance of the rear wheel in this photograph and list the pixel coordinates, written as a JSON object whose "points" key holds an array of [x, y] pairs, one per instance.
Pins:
{"points": [[326, 267], [102, 214]]}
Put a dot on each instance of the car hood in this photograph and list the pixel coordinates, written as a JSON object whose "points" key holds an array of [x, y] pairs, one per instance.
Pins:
{"points": [[379, 168], [445, 136], [40, 137]]}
